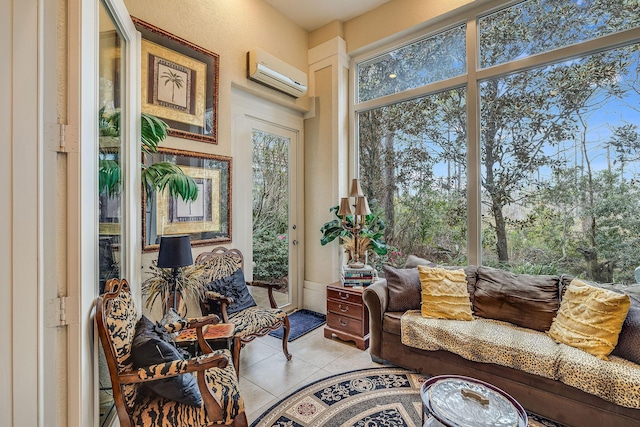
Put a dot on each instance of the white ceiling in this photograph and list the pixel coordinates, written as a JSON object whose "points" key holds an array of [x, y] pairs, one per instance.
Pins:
{"points": [[313, 14]]}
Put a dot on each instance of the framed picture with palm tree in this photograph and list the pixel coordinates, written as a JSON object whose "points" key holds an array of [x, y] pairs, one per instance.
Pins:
{"points": [[179, 83], [206, 218]]}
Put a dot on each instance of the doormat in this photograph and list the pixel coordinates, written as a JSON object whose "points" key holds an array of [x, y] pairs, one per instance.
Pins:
{"points": [[301, 322]]}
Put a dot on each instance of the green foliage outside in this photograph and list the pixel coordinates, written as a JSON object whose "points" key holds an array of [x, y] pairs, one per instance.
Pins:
{"points": [[270, 208], [559, 148], [270, 256]]}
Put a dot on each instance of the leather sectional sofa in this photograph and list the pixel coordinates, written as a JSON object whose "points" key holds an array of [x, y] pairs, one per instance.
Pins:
{"points": [[506, 345]]}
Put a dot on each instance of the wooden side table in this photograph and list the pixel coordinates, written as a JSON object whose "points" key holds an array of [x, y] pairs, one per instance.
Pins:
{"points": [[347, 315], [218, 336]]}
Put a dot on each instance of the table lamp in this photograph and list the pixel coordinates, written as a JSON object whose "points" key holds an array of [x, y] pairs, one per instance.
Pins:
{"points": [[175, 252], [359, 216]]}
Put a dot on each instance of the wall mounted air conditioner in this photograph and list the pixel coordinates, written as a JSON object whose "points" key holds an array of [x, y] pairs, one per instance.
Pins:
{"points": [[268, 70]]}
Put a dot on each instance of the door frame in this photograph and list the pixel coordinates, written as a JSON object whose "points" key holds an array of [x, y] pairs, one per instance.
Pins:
{"points": [[245, 109], [82, 188]]}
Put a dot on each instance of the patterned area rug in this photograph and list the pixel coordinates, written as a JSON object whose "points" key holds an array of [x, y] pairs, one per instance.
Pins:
{"points": [[388, 397], [301, 322]]}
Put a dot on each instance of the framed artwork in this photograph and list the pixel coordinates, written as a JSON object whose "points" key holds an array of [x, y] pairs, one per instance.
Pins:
{"points": [[179, 83], [206, 220]]}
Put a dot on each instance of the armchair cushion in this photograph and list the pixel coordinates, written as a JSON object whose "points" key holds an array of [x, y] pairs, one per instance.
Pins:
{"points": [[256, 320], [233, 286], [150, 347], [157, 411]]}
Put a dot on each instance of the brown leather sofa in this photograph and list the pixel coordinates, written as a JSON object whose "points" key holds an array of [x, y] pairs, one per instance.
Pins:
{"points": [[547, 397]]}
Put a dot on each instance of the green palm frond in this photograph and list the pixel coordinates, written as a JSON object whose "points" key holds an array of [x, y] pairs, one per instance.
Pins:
{"points": [[161, 175], [152, 131], [109, 177], [156, 176]]}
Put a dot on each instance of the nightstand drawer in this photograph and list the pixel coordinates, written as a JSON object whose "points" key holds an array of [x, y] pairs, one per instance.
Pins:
{"points": [[343, 308], [345, 324], [341, 295]]}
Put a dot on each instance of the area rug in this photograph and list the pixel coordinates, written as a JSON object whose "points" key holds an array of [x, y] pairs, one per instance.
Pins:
{"points": [[368, 397], [301, 322]]}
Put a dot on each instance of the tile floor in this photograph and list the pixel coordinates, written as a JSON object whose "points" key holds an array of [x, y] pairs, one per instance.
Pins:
{"points": [[266, 376]]}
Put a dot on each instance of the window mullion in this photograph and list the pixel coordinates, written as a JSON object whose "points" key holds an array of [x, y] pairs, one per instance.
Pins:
{"points": [[562, 54], [474, 243]]}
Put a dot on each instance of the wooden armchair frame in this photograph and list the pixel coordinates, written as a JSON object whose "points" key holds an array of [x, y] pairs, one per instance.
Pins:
{"points": [[118, 294], [222, 262]]}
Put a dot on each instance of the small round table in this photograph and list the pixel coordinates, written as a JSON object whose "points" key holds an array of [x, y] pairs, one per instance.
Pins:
{"points": [[457, 401]]}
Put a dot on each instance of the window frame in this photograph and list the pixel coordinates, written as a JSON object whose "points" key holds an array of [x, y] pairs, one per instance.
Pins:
{"points": [[472, 80]]}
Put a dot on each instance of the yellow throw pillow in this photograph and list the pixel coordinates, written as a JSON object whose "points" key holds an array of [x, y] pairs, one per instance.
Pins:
{"points": [[590, 318], [444, 293]]}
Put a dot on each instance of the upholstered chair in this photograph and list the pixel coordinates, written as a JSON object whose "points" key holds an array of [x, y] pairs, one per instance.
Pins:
{"points": [[227, 295], [136, 404]]}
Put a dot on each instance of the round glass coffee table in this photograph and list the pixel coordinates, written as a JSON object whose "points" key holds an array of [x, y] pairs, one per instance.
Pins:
{"points": [[457, 401]]}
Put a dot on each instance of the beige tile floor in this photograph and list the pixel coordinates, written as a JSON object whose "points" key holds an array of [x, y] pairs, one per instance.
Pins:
{"points": [[266, 376]]}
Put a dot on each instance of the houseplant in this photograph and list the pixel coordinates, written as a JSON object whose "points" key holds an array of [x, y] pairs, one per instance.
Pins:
{"points": [[160, 284], [156, 176], [371, 237]]}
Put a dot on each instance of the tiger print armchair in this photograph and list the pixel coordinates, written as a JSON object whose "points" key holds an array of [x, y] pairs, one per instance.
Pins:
{"points": [[216, 378], [227, 295]]}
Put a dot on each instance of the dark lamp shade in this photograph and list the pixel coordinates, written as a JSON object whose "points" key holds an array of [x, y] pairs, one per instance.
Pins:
{"points": [[175, 251]]}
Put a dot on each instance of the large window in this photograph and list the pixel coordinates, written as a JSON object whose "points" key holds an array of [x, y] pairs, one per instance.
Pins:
{"points": [[428, 60], [549, 141], [413, 167]]}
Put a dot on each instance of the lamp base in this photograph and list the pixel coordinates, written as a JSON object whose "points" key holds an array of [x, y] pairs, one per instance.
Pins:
{"points": [[356, 264]]}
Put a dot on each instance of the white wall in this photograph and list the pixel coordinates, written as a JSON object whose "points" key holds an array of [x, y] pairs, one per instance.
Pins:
{"points": [[20, 228]]}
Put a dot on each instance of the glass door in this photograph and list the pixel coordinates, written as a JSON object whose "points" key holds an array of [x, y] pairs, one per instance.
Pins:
{"points": [[118, 157], [274, 208], [109, 180]]}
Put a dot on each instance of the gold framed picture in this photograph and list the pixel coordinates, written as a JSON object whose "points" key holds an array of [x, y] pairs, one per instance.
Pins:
{"points": [[172, 84], [179, 83], [206, 220]]}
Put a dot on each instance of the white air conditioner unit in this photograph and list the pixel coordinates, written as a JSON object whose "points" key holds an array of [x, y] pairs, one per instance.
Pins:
{"points": [[268, 70]]}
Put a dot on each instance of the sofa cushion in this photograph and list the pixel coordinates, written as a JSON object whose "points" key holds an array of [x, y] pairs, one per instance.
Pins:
{"points": [[628, 346], [404, 288], [391, 322], [485, 341], [414, 261], [444, 293], [590, 318], [616, 380], [470, 270], [501, 343], [530, 301], [629, 340]]}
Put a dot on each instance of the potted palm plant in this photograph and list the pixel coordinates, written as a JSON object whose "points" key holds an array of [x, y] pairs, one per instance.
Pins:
{"points": [[160, 284]]}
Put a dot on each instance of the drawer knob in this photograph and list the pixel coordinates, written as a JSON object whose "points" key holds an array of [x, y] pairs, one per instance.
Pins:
{"points": [[343, 309], [343, 296], [342, 322]]}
